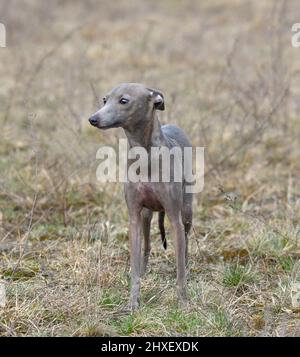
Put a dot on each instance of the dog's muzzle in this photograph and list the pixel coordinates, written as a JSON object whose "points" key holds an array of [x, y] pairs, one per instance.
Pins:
{"points": [[93, 120]]}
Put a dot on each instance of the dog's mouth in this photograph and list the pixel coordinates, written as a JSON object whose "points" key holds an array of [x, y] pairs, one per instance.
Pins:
{"points": [[109, 126]]}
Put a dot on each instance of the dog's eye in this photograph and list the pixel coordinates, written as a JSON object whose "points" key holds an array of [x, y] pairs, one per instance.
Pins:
{"points": [[124, 101], [104, 100]]}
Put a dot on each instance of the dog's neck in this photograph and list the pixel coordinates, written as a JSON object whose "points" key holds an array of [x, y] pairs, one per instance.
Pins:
{"points": [[148, 135]]}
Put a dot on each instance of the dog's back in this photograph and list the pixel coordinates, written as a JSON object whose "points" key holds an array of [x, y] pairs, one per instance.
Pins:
{"points": [[176, 134]]}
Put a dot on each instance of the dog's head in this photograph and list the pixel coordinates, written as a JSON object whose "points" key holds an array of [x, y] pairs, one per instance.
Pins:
{"points": [[128, 106]]}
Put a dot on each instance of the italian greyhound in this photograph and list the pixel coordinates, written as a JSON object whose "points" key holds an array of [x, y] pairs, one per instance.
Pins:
{"points": [[133, 107]]}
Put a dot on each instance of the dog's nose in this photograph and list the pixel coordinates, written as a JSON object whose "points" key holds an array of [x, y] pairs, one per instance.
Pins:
{"points": [[93, 120]]}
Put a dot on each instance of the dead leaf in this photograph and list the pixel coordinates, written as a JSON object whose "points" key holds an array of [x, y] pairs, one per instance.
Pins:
{"points": [[258, 322]]}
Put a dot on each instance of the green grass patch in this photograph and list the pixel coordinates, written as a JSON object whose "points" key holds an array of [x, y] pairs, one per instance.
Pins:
{"points": [[286, 263], [237, 275], [223, 324], [24, 272], [110, 299], [183, 322]]}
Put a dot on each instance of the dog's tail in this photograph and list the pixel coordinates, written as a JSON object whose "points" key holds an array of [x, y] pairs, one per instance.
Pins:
{"points": [[161, 217]]}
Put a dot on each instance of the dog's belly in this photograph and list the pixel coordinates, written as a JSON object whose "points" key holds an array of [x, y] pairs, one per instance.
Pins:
{"points": [[148, 197]]}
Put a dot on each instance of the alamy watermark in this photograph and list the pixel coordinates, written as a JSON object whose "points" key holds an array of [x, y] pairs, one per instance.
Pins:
{"points": [[2, 35], [160, 164], [296, 36]]}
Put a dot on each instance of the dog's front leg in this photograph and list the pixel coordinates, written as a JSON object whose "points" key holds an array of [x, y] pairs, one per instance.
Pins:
{"points": [[135, 257]]}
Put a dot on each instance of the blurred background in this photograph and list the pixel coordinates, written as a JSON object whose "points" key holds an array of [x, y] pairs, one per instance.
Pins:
{"points": [[230, 77]]}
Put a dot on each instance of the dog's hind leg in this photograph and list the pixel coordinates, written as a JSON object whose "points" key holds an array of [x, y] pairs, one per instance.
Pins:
{"points": [[187, 218], [175, 219]]}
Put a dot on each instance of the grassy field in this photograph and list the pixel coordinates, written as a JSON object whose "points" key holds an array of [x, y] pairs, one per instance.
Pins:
{"points": [[231, 79]]}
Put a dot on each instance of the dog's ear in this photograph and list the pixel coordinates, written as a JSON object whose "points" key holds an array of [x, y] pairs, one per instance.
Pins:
{"points": [[159, 101]]}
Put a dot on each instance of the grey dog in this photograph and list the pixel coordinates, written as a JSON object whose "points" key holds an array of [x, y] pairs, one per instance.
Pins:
{"points": [[133, 107]]}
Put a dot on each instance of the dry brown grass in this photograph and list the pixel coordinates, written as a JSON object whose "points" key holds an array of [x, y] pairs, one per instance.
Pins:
{"points": [[231, 80]]}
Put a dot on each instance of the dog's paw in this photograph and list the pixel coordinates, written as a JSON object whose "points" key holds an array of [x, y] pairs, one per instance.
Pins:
{"points": [[133, 305], [182, 298]]}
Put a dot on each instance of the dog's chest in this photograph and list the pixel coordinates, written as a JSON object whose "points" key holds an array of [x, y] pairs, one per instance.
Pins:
{"points": [[148, 197]]}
